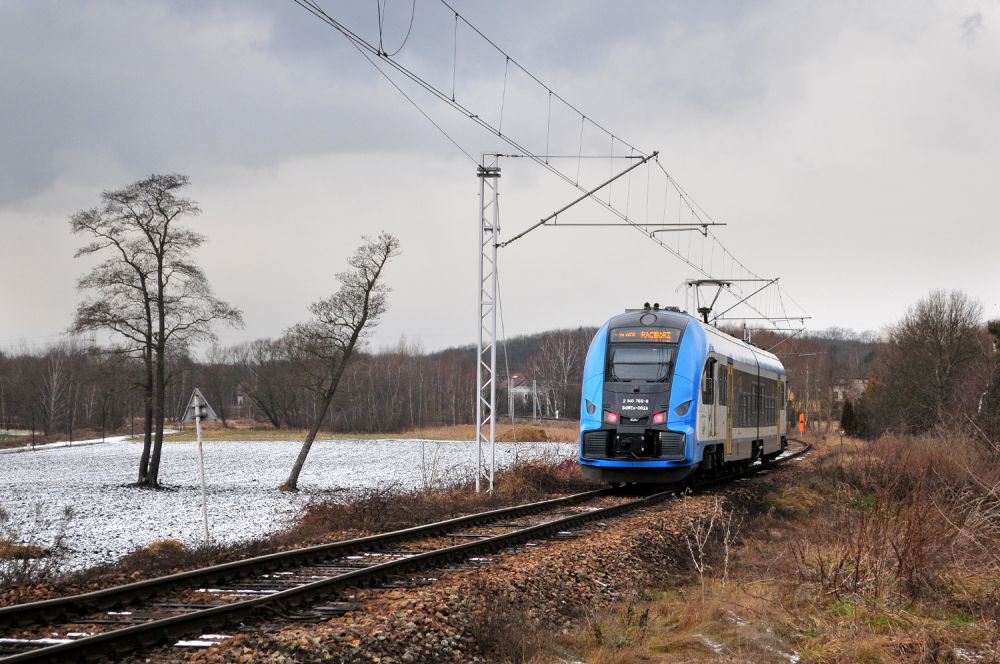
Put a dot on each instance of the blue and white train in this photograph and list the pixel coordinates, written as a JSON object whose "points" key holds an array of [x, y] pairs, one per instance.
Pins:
{"points": [[666, 395]]}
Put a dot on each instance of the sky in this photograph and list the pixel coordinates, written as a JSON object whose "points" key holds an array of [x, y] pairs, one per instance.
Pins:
{"points": [[850, 148]]}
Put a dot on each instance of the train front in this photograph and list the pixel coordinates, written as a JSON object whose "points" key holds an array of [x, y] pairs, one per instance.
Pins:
{"points": [[637, 408]]}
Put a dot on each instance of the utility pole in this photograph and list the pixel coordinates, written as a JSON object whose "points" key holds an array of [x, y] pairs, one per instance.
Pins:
{"points": [[486, 353], [510, 399], [808, 398], [534, 399]]}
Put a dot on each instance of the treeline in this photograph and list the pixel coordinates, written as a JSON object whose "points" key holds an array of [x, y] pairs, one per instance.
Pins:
{"points": [[66, 388], [938, 367], [71, 386], [825, 368], [394, 389]]}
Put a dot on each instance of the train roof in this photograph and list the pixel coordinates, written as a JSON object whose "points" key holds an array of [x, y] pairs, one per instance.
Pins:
{"points": [[664, 317], [718, 341], [730, 346]]}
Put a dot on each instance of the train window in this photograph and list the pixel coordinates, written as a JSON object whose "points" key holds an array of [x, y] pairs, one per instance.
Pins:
{"points": [[708, 382], [723, 384], [646, 363]]}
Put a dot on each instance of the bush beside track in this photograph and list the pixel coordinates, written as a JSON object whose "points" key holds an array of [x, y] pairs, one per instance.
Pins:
{"points": [[883, 551], [846, 555]]}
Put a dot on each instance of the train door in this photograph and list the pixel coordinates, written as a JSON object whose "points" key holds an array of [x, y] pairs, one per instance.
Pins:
{"points": [[729, 408], [708, 400], [778, 412], [718, 420], [782, 419]]}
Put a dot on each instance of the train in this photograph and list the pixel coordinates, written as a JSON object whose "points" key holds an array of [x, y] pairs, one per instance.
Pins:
{"points": [[666, 396]]}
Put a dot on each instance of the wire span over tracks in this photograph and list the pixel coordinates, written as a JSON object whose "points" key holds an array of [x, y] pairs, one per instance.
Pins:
{"points": [[663, 203]]}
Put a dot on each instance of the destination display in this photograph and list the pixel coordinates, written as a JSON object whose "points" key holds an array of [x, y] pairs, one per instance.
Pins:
{"points": [[659, 335]]}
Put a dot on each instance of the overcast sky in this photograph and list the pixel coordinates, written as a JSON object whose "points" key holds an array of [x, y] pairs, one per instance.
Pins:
{"points": [[852, 148]]}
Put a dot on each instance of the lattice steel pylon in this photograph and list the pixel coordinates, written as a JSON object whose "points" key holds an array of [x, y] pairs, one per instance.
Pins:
{"points": [[486, 356]]}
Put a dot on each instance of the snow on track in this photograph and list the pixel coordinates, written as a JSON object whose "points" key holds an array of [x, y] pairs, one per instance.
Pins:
{"points": [[110, 518]]}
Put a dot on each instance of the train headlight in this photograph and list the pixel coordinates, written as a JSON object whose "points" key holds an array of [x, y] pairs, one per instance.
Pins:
{"points": [[682, 409], [660, 418], [611, 416]]}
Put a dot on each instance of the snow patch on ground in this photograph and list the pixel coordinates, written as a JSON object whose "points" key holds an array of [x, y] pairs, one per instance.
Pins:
{"points": [[111, 519], [75, 443]]}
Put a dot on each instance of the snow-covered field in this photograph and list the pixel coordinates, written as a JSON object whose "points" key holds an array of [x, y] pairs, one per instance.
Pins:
{"points": [[110, 519]]}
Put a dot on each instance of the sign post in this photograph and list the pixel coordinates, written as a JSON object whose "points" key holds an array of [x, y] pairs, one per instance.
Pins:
{"points": [[198, 410]]}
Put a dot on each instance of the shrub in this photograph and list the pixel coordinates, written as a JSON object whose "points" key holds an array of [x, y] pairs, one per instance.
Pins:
{"points": [[25, 558]]}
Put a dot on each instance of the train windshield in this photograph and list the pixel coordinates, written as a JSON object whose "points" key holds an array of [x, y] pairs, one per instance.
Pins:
{"points": [[640, 363]]}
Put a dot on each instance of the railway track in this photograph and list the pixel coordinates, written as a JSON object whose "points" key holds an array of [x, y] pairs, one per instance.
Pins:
{"points": [[167, 609]]}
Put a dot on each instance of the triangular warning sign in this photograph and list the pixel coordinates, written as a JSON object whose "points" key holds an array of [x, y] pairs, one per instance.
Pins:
{"points": [[206, 410]]}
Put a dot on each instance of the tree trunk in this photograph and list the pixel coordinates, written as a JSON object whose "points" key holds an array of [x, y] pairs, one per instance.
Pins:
{"points": [[147, 402], [159, 402], [159, 393], [292, 483]]}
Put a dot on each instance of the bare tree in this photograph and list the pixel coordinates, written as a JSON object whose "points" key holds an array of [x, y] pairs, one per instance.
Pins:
{"points": [[220, 378], [934, 366], [53, 389], [149, 290], [340, 322], [123, 297], [267, 369], [558, 365]]}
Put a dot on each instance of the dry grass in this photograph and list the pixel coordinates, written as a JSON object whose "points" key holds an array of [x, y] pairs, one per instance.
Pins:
{"points": [[13, 551], [390, 508], [26, 559], [529, 431], [881, 552], [524, 431]]}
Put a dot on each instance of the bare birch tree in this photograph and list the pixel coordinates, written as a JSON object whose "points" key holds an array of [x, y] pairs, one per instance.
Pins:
{"points": [[340, 323]]}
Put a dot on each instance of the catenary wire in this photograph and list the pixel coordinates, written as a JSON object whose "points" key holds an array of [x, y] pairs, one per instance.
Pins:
{"points": [[316, 10]]}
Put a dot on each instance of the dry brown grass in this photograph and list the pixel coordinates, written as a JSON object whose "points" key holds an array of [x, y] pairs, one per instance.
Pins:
{"points": [[390, 508], [523, 431], [883, 551], [26, 558], [12, 551]]}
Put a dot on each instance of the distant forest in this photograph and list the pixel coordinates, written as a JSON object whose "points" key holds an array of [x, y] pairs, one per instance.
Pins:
{"points": [[902, 382], [70, 386]]}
